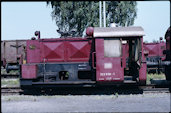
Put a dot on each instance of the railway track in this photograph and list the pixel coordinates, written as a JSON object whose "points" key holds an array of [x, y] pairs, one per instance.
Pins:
{"points": [[156, 90], [10, 90], [156, 87], [10, 76], [145, 89]]}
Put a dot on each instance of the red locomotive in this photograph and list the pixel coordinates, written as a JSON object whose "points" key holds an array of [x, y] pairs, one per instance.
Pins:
{"points": [[155, 56], [97, 59]]}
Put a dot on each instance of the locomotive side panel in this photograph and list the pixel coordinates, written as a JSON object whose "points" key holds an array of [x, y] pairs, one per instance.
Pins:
{"points": [[74, 50], [108, 58], [26, 73], [78, 51], [33, 51], [52, 51]]}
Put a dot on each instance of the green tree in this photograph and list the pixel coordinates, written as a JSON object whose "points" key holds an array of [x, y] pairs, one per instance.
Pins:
{"points": [[82, 14], [121, 12]]}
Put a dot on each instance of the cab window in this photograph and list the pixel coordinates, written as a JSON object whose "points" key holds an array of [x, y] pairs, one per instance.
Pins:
{"points": [[112, 47]]}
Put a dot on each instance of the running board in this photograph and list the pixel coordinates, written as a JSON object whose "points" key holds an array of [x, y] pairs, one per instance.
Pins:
{"points": [[130, 82], [128, 77], [66, 82]]}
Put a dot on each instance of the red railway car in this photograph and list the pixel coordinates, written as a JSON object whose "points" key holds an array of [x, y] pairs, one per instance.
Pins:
{"points": [[155, 56], [97, 59]]}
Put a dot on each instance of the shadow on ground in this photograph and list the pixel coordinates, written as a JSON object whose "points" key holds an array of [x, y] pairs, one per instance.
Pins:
{"points": [[83, 91]]}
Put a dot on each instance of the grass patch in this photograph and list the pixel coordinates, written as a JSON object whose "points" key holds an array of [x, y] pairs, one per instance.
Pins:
{"points": [[155, 76], [3, 71], [10, 82], [13, 72], [19, 98]]}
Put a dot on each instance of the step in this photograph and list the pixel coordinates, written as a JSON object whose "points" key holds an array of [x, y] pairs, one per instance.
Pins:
{"points": [[130, 82], [128, 77]]}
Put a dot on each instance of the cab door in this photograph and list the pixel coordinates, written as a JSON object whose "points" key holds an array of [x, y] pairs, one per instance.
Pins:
{"points": [[108, 60]]}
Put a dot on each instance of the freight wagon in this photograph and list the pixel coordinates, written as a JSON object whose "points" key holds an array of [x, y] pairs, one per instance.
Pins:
{"points": [[97, 59], [11, 53]]}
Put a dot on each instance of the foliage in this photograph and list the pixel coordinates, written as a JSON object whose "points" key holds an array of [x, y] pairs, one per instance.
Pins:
{"points": [[117, 95], [9, 82], [155, 76], [79, 15], [121, 12], [12, 72]]}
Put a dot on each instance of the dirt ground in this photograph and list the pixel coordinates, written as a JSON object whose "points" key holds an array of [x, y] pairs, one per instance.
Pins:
{"points": [[157, 102]]}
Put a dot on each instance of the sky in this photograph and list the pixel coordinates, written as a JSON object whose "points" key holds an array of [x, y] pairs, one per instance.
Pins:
{"points": [[19, 20]]}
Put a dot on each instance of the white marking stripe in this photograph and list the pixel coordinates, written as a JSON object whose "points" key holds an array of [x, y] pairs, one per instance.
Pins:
{"points": [[116, 78]]}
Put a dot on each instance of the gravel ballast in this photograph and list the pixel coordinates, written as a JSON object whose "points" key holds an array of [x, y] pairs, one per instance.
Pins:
{"points": [[150, 102]]}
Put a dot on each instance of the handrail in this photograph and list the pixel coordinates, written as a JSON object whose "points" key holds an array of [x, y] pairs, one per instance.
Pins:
{"points": [[93, 62]]}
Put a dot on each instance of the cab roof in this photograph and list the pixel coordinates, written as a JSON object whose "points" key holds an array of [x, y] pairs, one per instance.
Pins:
{"points": [[118, 31]]}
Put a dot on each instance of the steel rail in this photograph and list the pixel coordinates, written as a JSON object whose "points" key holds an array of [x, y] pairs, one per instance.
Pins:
{"points": [[10, 75]]}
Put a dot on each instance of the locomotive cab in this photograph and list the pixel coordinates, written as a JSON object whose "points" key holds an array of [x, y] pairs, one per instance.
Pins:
{"points": [[119, 55]]}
